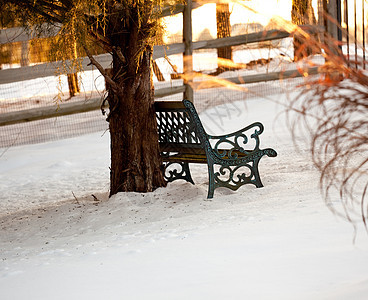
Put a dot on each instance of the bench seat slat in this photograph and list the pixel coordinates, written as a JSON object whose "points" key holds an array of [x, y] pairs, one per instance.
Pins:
{"points": [[182, 147], [199, 156], [189, 158]]}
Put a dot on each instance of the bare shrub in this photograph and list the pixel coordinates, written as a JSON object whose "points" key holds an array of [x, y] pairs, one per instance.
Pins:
{"points": [[334, 109]]}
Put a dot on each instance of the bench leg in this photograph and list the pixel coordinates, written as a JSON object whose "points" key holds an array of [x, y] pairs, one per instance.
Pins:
{"points": [[257, 178], [188, 176], [211, 181]]}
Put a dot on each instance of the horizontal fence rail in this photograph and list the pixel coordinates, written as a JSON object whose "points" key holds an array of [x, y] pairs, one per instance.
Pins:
{"points": [[58, 68], [64, 109], [256, 78], [47, 112]]}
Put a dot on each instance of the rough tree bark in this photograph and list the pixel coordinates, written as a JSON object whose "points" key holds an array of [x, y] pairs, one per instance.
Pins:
{"points": [[302, 13], [135, 159], [223, 30], [73, 83]]}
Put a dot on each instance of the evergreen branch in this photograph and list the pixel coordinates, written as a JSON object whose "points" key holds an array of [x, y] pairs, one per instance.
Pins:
{"points": [[50, 11], [105, 44], [118, 52]]}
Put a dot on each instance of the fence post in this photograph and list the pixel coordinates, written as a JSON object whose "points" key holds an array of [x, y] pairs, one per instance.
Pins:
{"points": [[223, 30], [188, 52], [334, 10], [73, 83], [24, 56]]}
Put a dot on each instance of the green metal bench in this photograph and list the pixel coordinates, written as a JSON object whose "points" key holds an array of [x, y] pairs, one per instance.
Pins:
{"points": [[183, 140]]}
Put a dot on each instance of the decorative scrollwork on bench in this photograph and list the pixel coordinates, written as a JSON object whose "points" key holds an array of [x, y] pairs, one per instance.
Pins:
{"points": [[181, 171], [234, 177], [229, 146]]}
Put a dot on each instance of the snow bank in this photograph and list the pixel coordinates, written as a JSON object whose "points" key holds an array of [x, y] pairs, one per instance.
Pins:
{"points": [[277, 242]]}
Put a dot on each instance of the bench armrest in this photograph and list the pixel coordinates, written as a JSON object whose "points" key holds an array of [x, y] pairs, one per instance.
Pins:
{"points": [[227, 146]]}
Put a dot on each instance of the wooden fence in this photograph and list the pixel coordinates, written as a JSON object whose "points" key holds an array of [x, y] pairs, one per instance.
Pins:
{"points": [[187, 48], [54, 68]]}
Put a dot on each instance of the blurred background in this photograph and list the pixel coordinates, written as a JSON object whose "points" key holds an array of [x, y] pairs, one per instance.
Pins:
{"points": [[245, 42]]}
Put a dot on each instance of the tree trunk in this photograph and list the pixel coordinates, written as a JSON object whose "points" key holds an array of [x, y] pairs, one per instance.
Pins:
{"points": [[24, 56], [73, 83], [136, 164], [302, 13], [223, 30]]}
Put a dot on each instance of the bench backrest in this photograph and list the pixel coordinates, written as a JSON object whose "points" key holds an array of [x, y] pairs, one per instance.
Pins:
{"points": [[175, 127]]}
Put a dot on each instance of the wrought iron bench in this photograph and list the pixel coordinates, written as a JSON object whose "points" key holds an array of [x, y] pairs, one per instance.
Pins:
{"points": [[183, 140]]}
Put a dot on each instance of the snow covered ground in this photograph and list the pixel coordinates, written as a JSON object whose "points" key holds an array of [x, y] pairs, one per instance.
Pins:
{"points": [[277, 242]]}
